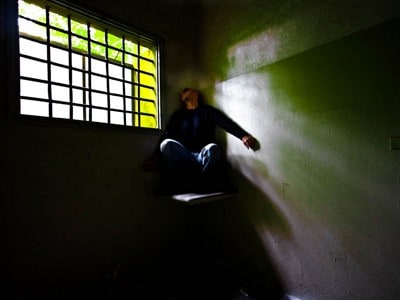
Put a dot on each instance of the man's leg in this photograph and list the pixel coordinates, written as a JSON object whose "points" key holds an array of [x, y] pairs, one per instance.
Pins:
{"points": [[209, 157], [176, 155], [215, 177], [182, 169]]}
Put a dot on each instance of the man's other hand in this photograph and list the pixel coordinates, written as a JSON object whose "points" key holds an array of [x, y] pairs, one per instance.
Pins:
{"points": [[249, 142]]}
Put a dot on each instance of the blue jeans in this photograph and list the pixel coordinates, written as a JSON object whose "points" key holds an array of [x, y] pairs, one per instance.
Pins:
{"points": [[177, 157]]}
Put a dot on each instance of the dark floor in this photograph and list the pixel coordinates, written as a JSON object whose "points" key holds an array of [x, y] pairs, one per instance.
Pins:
{"points": [[194, 282], [199, 281], [209, 259], [202, 266]]}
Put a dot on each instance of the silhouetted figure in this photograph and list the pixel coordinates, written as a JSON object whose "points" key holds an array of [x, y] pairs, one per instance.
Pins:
{"points": [[191, 158]]}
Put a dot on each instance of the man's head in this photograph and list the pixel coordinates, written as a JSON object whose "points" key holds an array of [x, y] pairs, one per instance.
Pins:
{"points": [[188, 94], [191, 97]]}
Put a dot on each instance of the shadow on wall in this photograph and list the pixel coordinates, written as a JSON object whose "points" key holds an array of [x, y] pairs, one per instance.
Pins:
{"points": [[258, 205], [255, 212], [240, 243], [247, 221]]}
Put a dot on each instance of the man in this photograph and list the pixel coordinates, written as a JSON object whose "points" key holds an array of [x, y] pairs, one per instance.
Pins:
{"points": [[192, 159]]}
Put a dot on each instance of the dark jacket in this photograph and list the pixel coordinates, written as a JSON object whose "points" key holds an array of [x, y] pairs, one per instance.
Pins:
{"points": [[195, 128]]}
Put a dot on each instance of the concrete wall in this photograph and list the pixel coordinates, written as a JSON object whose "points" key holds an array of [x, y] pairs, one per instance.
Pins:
{"points": [[317, 83]]}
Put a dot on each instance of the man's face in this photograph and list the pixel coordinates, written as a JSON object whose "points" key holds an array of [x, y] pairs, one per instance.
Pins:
{"points": [[188, 94]]}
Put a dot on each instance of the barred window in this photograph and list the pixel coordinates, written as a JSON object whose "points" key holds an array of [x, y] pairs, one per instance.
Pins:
{"points": [[75, 66]]}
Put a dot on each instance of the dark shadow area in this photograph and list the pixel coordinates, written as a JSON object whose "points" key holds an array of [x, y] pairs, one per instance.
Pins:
{"points": [[258, 207], [192, 180], [220, 256], [217, 255]]}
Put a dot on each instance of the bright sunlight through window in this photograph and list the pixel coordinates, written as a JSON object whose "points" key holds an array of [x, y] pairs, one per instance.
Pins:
{"points": [[74, 67]]}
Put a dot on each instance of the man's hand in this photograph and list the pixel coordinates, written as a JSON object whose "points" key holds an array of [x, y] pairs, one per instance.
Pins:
{"points": [[249, 142]]}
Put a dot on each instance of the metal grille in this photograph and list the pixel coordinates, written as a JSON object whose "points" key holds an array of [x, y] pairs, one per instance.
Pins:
{"points": [[72, 67]]}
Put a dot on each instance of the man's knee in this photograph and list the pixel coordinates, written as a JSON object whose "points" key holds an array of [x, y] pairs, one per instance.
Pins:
{"points": [[212, 150], [168, 145], [175, 154], [210, 157]]}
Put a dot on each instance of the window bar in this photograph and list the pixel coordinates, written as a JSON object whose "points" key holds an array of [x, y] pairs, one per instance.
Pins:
{"points": [[89, 87], [123, 79], [84, 89], [139, 75], [108, 78], [48, 62], [71, 110]]}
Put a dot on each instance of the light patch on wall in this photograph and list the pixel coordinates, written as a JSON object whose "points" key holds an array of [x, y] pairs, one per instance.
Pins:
{"points": [[253, 53], [248, 100], [303, 169]]}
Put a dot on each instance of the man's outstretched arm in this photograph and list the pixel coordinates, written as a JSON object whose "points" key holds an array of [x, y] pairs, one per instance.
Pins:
{"points": [[223, 121]]}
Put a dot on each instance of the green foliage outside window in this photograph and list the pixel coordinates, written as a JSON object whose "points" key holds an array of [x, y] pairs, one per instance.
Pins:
{"points": [[105, 44]]}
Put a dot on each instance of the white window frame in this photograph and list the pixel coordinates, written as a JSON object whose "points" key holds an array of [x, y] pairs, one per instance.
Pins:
{"points": [[125, 96]]}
